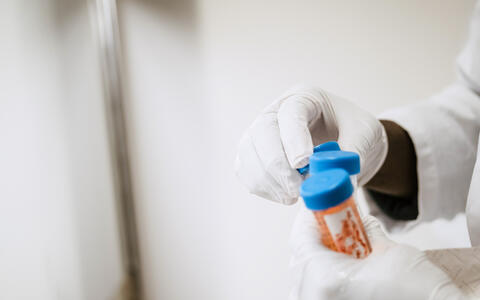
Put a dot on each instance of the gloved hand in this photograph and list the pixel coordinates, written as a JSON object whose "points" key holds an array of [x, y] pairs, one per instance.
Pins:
{"points": [[282, 138], [392, 271]]}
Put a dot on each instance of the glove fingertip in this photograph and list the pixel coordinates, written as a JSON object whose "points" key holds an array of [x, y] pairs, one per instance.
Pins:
{"points": [[301, 160], [375, 232], [290, 201]]}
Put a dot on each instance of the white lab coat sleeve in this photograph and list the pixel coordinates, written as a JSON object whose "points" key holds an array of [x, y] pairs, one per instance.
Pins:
{"points": [[468, 62], [444, 130]]}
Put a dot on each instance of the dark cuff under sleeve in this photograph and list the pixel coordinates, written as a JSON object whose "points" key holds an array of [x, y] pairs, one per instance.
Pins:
{"points": [[395, 186]]}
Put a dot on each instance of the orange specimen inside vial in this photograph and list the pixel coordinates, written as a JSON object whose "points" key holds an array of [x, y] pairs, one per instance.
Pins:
{"points": [[329, 194], [341, 229]]}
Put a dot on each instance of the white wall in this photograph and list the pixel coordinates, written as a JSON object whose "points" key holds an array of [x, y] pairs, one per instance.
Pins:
{"points": [[198, 74], [58, 230]]}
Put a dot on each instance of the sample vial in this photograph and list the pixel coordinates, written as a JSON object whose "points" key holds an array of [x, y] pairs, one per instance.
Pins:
{"points": [[328, 146], [329, 194], [325, 160]]}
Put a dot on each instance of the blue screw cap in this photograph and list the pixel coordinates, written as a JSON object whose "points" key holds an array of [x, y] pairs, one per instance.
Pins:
{"points": [[326, 189], [321, 161], [328, 146]]}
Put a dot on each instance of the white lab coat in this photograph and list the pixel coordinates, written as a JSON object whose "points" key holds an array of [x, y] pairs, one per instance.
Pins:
{"points": [[445, 132]]}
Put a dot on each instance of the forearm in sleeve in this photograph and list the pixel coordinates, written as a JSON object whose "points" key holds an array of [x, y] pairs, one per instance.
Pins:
{"points": [[394, 187], [438, 138]]}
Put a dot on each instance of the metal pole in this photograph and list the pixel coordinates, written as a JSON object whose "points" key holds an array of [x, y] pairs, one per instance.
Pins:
{"points": [[105, 19]]}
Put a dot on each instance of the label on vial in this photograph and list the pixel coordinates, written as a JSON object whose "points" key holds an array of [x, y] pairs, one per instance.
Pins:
{"points": [[346, 232]]}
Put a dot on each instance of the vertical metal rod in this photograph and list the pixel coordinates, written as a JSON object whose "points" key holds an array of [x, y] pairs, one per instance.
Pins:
{"points": [[106, 22]]}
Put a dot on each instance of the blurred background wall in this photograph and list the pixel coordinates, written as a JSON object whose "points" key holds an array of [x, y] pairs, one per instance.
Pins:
{"points": [[197, 74], [58, 227]]}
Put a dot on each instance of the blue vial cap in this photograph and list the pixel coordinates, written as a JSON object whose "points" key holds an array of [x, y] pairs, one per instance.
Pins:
{"points": [[326, 189], [303, 170], [321, 161], [328, 146]]}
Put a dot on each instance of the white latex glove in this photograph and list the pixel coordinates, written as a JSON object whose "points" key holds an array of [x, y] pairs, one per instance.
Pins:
{"points": [[392, 271], [283, 136]]}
